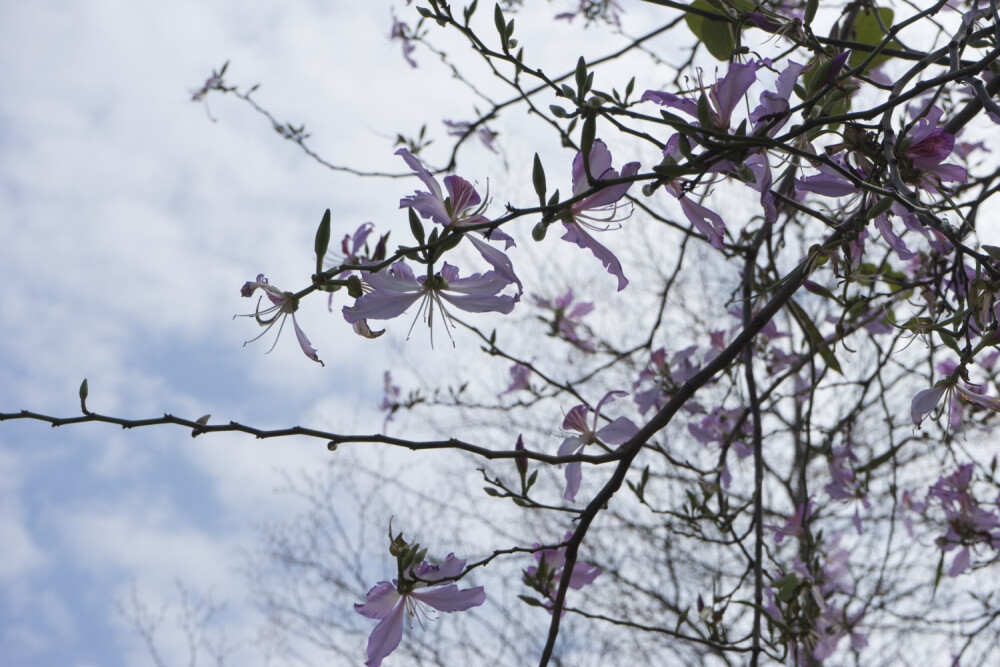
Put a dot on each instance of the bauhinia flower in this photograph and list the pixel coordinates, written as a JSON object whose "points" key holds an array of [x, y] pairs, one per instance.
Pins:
{"points": [[564, 320], [721, 100], [397, 288], [462, 207], [598, 211], [283, 304], [924, 152], [968, 522], [416, 592], [545, 577], [956, 394], [616, 433], [462, 128]]}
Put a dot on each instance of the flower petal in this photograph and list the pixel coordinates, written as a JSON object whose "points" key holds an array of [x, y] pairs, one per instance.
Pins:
{"points": [[450, 598], [386, 636], [575, 234]]}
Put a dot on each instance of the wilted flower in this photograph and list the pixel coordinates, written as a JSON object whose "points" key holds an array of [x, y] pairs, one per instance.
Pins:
{"points": [[616, 433], [283, 304], [419, 590], [599, 211]]}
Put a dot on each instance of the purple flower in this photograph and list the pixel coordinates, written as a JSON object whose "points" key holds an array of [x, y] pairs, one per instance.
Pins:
{"points": [[705, 220], [401, 31], [926, 148], [616, 433], [795, 526], [722, 98], [565, 319], [667, 378], [774, 105], [391, 399], [520, 376], [463, 207], [462, 128], [283, 304], [396, 289], [598, 211], [957, 393], [717, 427], [546, 575], [968, 522], [423, 587]]}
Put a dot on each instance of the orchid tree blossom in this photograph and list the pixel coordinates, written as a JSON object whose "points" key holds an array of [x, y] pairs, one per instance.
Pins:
{"points": [[462, 128], [598, 211], [955, 393], [968, 522], [545, 576], [722, 97], [566, 316], [462, 207], [283, 304], [616, 433], [416, 592], [397, 288], [924, 151]]}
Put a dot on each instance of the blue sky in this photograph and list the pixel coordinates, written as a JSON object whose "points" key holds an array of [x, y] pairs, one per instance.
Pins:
{"points": [[130, 220]]}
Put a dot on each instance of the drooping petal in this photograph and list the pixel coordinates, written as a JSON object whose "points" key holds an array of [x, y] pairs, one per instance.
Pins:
{"points": [[450, 598], [304, 343], [498, 260], [924, 403], [826, 184], [575, 234], [961, 562], [574, 475], [706, 221], [890, 237], [380, 601], [478, 283], [386, 636], [576, 420]]}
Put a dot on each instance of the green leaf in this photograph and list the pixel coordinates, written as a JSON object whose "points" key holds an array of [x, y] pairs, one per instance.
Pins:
{"points": [[815, 337], [322, 240], [490, 491], [868, 31], [531, 601], [717, 36], [587, 138], [416, 227]]}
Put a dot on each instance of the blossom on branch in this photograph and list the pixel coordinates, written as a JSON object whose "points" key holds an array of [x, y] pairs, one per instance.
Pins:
{"points": [[616, 433], [418, 590], [397, 288], [598, 211], [546, 575], [462, 207], [283, 304]]}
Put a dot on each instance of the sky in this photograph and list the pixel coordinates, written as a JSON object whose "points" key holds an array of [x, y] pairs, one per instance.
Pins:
{"points": [[130, 217]]}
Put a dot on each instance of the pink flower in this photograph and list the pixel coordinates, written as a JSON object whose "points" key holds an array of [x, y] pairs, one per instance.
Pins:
{"points": [[423, 587], [721, 100], [565, 318], [462, 128], [283, 304], [598, 211], [397, 288], [462, 207], [545, 577], [616, 433]]}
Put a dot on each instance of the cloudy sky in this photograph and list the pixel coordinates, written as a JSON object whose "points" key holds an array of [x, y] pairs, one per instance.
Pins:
{"points": [[129, 221]]}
